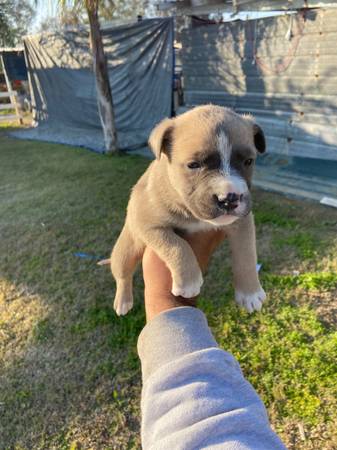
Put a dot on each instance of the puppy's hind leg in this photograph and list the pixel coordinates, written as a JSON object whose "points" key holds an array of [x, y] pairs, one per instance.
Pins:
{"points": [[124, 258]]}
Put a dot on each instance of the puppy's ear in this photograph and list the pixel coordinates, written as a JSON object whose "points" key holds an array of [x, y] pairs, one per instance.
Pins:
{"points": [[259, 139], [161, 137]]}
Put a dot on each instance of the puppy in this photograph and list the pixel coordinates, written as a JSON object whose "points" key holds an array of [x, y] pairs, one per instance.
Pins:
{"points": [[200, 180]]}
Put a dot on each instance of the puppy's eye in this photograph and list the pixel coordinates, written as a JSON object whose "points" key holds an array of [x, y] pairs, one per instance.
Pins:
{"points": [[248, 162], [194, 165]]}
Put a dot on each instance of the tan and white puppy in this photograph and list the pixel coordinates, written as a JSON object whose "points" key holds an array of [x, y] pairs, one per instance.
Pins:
{"points": [[199, 180]]}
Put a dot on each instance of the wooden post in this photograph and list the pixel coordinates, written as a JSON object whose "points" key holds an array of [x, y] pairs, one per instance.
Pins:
{"points": [[104, 97]]}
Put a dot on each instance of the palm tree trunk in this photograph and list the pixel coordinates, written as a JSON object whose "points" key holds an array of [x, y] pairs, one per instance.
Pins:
{"points": [[104, 97]]}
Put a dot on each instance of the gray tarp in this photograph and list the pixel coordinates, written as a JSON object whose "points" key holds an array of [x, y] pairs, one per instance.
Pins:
{"points": [[140, 62]]}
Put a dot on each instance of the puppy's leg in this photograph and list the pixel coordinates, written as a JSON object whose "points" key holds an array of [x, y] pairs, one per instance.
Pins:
{"points": [[179, 258], [248, 290], [125, 255]]}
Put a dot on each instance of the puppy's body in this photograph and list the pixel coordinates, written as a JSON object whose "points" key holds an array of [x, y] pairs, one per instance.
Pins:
{"points": [[199, 181]]}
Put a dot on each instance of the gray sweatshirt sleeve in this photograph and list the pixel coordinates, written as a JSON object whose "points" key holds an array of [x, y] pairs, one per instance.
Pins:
{"points": [[194, 394]]}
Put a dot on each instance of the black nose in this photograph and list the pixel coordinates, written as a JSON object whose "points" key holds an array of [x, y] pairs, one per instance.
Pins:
{"points": [[229, 203]]}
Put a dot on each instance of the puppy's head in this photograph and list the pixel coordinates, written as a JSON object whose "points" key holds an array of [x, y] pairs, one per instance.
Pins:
{"points": [[210, 153]]}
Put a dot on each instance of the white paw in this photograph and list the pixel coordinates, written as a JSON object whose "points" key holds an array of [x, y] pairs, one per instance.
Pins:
{"points": [[187, 290], [122, 307], [251, 302]]}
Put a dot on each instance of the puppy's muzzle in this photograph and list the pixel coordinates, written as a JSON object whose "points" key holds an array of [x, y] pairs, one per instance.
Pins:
{"points": [[229, 203]]}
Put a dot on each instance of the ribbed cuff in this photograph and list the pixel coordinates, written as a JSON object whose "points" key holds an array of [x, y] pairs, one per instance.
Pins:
{"points": [[171, 335]]}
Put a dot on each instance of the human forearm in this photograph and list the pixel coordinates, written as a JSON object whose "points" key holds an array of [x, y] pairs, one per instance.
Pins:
{"points": [[194, 394]]}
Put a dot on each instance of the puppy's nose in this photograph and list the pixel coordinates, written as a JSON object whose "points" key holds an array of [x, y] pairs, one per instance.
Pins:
{"points": [[232, 197], [228, 203]]}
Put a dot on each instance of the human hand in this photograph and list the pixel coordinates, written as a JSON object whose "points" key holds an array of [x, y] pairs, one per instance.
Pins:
{"points": [[157, 277]]}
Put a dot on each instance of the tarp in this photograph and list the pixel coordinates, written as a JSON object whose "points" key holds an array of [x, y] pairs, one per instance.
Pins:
{"points": [[140, 64], [15, 65]]}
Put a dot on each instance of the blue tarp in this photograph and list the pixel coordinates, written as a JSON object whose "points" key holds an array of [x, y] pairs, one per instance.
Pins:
{"points": [[15, 65]]}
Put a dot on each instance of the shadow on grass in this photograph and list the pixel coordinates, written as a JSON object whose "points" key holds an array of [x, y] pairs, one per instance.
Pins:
{"points": [[69, 365]]}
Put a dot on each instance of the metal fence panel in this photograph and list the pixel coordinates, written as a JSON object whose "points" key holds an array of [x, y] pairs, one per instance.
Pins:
{"points": [[281, 69]]}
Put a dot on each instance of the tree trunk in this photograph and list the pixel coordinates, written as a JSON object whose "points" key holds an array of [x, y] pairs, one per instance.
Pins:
{"points": [[104, 97]]}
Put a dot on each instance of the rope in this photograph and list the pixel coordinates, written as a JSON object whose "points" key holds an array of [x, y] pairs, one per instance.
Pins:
{"points": [[295, 37]]}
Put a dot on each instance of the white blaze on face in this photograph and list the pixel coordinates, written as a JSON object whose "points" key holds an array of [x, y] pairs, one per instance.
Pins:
{"points": [[225, 150], [227, 182]]}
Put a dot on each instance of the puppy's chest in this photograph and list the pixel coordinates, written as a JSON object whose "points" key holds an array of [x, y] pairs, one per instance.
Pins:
{"points": [[193, 227]]}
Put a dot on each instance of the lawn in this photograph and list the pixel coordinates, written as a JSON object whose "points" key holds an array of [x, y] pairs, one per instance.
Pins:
{"points": [[69, 372]]}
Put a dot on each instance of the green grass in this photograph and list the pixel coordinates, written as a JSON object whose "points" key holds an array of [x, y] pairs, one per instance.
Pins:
{"points": [[289, 359], [70, 375], [320, 281], [272, 216], [304, 244], [43, 330]]}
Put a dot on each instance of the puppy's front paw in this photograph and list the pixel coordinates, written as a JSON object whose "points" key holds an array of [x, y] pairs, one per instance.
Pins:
{"points": [[122, 307], [123, 299], [187, 289], [252, 301]]}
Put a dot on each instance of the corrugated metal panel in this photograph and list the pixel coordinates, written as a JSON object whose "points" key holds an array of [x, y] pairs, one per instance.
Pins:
{"points": [[289, 84], [190, 7]]}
